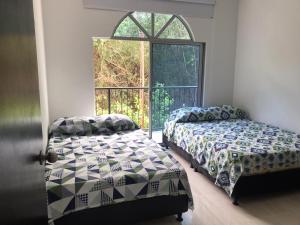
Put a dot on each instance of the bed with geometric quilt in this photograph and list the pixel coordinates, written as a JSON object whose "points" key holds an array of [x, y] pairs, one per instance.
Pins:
{"points": [[105, 161], [228, 145]]}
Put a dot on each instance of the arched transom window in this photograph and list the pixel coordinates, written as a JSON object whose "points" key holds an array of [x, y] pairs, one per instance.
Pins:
{"points": [[151, 26]]}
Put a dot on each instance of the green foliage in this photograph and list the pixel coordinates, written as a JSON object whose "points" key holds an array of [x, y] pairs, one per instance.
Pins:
{"points": [[128, 29], [117, 63], [161, 105], [176, 65], [144, 19], [175, 30], [160, 20]]}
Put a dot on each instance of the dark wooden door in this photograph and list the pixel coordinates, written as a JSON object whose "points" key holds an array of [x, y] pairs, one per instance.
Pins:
{"points": [[22, 186]]}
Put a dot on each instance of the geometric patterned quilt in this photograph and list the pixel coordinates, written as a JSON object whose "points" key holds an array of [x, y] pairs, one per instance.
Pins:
{"points": [[229, 149], [94, 171]]}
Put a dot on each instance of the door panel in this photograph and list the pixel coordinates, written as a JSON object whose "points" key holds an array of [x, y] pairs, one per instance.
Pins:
{"points": [[22, 186], [176, 79], [121, 71]]}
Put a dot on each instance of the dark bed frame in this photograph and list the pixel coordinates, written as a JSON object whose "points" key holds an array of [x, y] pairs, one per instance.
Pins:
{"points": [[288, 180], [129, 212]]}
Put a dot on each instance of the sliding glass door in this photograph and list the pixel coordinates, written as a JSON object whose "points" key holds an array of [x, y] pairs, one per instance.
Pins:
{"points": [[157, 62], [176, 79], [147, 80]]}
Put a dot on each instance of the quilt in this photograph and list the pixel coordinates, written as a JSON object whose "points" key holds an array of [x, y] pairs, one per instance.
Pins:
{"points": [[99, 170], [229, 149]]}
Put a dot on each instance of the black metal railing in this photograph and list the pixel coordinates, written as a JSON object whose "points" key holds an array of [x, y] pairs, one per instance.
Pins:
{"points": [[134, 102]]}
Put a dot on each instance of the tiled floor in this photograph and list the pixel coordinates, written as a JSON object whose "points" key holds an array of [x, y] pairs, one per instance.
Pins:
{"points": [[213, 207]]}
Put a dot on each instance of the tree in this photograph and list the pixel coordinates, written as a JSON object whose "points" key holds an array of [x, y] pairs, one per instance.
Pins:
{"points": [[119, 64]]}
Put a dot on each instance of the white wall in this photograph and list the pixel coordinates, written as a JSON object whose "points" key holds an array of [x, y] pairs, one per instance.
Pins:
{"points": [[69, 29], [40, 47], [267, 75], [219, 76]]}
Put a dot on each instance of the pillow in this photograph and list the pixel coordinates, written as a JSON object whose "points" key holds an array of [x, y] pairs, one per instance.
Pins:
{"points": [[198, 114], [230, 112], [71, 126], [210, 113], [104, 124], [195, 114], [113, 122], [186, 114]]}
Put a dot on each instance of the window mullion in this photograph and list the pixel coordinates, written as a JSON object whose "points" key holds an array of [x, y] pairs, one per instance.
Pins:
{"points": [[151, 34], [139, 25], [165, 26], [152, 24], [186, 27]]}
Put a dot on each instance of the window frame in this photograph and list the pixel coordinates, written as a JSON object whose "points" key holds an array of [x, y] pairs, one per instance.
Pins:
{"points": [[154, 37]]}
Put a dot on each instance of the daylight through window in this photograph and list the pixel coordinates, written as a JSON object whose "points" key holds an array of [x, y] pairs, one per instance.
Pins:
{"points": [[143, 25]]}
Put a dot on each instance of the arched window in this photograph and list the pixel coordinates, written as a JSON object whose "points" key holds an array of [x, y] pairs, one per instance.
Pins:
{"points": [[153, 67], [151, 26]]}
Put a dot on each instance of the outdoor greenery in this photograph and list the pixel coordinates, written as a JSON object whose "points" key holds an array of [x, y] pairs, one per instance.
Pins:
{"points": [[122, 69], [161, 103], [118, 64], [176, 65], [175, 30]]}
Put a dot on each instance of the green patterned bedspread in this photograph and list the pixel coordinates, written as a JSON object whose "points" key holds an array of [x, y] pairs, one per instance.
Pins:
{"points": [[229, 149], [100, 170]]}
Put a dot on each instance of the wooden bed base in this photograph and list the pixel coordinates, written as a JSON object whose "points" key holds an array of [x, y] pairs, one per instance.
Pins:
{"points": [[248, 185], [128, 212]]}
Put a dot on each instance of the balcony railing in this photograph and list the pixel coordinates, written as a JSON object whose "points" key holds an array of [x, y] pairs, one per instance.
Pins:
{"points": [[134, 102]]}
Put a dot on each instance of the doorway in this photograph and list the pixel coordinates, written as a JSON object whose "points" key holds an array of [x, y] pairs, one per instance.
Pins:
{"points": [[150, 67]]}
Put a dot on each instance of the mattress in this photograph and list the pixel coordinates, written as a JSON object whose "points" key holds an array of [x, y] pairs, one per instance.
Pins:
{"points": [[94, 171], [229, 149]]}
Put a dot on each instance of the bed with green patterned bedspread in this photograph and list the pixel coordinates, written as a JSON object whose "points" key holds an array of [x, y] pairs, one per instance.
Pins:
{"points": [[234, 147]]}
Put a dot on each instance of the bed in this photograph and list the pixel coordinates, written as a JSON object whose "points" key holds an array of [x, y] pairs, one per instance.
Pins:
{"points": [[238, 154], [109, 172]]}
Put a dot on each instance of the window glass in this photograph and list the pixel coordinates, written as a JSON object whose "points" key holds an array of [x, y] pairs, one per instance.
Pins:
{"points": [[175, 30], [144, 19], [128, 29], [159, 21]]}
